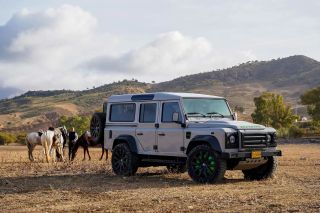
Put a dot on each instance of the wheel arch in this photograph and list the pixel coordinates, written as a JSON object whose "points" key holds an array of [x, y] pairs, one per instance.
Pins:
{"points": [[210, 140], [128, 139]]}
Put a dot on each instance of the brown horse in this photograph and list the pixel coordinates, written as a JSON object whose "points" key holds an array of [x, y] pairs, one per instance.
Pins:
{"points": [[84, 141]]}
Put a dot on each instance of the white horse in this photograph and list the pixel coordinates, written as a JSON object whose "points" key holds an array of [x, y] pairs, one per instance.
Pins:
{"points": [[33, 139], [52, 139]]}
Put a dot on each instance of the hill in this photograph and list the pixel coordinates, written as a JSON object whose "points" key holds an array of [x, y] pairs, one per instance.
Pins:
{"points": [[289, 76], [39, 109]]}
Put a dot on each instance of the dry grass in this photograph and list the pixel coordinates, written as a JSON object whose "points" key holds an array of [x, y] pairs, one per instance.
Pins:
{"points": [[91, 186]]}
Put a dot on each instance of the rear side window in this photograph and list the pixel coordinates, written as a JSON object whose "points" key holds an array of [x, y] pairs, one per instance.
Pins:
{"points": [[148, 113], [122, 112], [167, 111]]}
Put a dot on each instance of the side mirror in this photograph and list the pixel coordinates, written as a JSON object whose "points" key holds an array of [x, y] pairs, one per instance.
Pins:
{"points": [[175, 117], [235, 116]]}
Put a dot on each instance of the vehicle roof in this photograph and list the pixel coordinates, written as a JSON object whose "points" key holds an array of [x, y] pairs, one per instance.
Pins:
{"points": [[157, 96]]}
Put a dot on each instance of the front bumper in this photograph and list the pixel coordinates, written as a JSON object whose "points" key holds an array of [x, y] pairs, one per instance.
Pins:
{"points": [[231, 155]]}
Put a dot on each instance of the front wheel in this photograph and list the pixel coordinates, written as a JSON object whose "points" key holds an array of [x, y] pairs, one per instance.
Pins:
{"points": [[264, 171], [124, 162], [205, 165]]}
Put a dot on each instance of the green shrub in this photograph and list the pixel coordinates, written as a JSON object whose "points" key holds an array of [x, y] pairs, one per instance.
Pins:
{"points": [[80, 123], [21, 138], [283, 133], [6, 138], [296, 132]]}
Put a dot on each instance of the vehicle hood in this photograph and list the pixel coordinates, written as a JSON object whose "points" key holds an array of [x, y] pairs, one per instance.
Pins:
{"points": [[227, 124]]}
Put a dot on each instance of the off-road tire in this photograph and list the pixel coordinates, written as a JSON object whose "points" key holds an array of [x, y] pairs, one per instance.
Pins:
{"points": [[205, 165], [124, 162], [264, 171], [97, 125], [178, 168]]}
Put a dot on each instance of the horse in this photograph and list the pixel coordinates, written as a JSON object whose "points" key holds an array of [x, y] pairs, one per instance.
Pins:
{"points": [[64, 133], [104, 150], [53, 139], [83, 141], [32, 140]]}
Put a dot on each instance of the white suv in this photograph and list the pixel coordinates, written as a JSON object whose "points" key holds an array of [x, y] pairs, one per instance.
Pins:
{"points": [[183, 131]]}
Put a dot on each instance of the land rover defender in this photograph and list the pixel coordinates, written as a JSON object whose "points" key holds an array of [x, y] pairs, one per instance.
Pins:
{"points": [[184, 132]]}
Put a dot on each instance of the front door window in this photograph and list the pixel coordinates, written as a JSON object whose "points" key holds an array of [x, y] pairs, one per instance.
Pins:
{"points": [[167, 112]]}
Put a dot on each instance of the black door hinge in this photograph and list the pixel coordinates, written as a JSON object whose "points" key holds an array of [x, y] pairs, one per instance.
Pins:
{"points": [[155, 147]]}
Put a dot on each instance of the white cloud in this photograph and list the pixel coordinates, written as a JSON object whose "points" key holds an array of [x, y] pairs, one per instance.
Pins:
{"points": [[170, 55], [39, 50], [63, 48]]}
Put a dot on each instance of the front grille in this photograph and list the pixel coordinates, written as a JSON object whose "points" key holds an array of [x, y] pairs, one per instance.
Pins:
{"points": [[253, 140]]}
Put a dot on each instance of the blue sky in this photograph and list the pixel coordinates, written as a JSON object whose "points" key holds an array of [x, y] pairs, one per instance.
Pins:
{"points": [[97, 42]]}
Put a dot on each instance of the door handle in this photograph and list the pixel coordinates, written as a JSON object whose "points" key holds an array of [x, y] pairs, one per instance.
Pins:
{"points": [[161, 134], [139, 133]]}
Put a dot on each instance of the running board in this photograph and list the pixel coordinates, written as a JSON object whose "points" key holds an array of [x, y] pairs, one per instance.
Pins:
{"points": [[165, 160]]}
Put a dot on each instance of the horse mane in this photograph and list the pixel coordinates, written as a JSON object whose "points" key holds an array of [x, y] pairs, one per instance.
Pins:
{"points": [[64, 135]]}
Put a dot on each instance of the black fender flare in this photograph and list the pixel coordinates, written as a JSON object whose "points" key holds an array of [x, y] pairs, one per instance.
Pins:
{"points": [[201, 139], [130, 140]]}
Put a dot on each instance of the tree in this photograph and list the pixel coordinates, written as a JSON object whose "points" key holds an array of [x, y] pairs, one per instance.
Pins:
{"points": [[80, 123], [312, 99], [271, 110]]}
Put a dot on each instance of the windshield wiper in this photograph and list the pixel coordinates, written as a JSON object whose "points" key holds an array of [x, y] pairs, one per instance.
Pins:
{"points": [[196, 113], [215, 113]]}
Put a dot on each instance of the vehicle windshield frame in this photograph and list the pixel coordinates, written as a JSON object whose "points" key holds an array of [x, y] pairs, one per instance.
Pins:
{"points": [[230, 116]]}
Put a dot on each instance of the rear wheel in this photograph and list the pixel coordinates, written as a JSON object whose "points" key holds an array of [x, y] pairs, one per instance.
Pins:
{"points": [[264, 171], [124, 162], [97, 125], [177, 168], [205, 165]]}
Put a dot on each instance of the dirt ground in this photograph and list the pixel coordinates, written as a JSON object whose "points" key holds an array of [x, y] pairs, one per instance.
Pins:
{"points": [[90, 186]]}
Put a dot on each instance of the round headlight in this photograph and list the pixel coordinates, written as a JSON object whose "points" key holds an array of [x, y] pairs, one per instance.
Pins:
{"points": [[269, 138], [232, 139]]}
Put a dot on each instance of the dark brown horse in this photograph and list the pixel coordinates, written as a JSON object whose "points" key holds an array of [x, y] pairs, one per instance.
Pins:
{"points": [[84, 141]]}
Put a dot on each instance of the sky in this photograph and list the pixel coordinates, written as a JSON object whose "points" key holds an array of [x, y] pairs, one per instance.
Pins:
{"points": [[80, 44]]}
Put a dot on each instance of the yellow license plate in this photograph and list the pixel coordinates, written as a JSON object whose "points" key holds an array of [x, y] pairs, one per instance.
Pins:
{"points": [[256, 154]]}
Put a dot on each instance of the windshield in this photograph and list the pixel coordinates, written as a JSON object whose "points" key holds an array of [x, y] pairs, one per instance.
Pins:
{"points": [[206, 108]]}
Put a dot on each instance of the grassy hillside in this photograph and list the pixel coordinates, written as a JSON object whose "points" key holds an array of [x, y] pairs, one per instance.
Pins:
{"points": [[240, 84], [39, 109]]}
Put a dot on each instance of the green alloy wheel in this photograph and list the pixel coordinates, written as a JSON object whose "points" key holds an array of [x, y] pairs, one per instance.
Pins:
{"points": [[205, 165]]}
